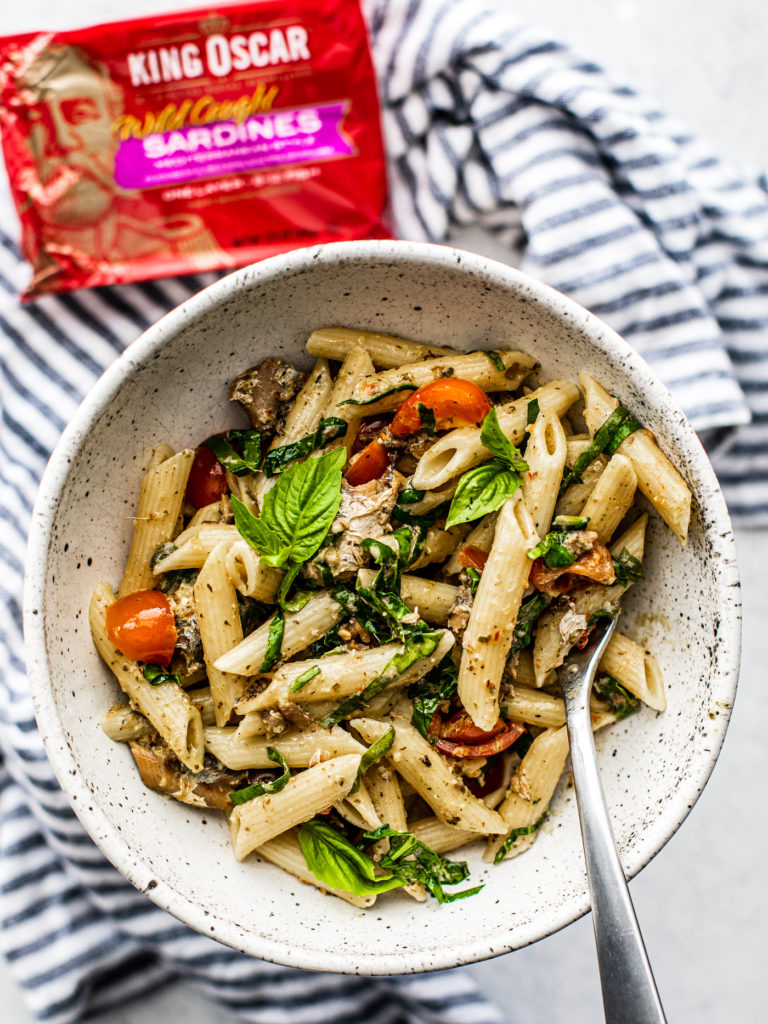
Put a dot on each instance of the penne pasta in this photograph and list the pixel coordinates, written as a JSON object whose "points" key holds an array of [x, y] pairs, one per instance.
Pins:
{"points": [[218, 618], [545, 454], [384, 349]]}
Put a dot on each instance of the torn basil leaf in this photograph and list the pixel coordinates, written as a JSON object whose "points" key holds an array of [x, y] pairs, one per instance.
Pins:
{"points": [[571, 522], [474, 580], [495, 359], [551, 549], [374, 753], [620, 424], [413, 861], [156, 675], [274, 641], [410, 495], [497, 442], [426, 418], [516, 833], [222, 447], [529, 614], [621, 701], [416, 647], [277, 459], [628, 569], [242, 796], [438, 686], [381, 394], [304, 678], [337, 863]]}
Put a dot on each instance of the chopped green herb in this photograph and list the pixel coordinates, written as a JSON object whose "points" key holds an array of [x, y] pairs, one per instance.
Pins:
{"points": [[533, 412], [274, 641], [516, 833], [412, 861], [410, 495], [162, 552], [620, 424], [426, 418], [438, 686], [602, 613], [529, 614], [169, 581], [297, 512], [495, 358], [374, 753], [304, 678], [222, 447], [416, 647], [628, 569], [327, 430], [622, 702], [381, 394], [474, 580], [571, 522], [156, 675], [551, 549], [242, 796]]}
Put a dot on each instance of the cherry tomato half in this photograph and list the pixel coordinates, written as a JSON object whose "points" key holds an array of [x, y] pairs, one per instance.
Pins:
{"points": [[368, 465], [207, 479], [471, 557], [142, 627], [454, 403]]}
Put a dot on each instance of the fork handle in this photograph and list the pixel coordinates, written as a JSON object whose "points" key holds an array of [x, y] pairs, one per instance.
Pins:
{"points": [[629, 990]]}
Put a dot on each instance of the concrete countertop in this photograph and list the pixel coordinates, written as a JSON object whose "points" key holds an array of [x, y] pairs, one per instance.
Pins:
{"points": [[703, 902]]}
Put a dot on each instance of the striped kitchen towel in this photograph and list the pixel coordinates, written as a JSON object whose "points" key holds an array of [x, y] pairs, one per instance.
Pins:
{"points": [[603, 196]]}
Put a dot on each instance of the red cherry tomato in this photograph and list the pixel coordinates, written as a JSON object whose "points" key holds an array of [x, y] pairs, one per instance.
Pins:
{"points": [[461, 729], [142, 627], [496, 741], [207, 479], [368, 465], [471, 557], [453, 401], [493, 777]]}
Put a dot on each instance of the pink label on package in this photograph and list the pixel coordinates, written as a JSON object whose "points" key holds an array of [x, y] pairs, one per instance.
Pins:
{"points": [[207, 151]]}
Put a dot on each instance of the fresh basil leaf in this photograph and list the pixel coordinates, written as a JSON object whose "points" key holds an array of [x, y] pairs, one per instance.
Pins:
{"points": [[222, 447], [571, 522], [381, 394], [533, 412], [602, 613], [495, 359], [304, 678], [413, 861], [410, 496], [162, 552], [628, 569], [426, 418], [171, 580], [274, 641], [627, 426], [242, 796], [337, 863], [418, 646], [156, 675], [529, 614], [551, 549], [516, 833], [482, 490], [497, 442], [438, 686], [299, 598], [297, 512], [328, 430], [622, 702], [374, 753], [474, 580]]}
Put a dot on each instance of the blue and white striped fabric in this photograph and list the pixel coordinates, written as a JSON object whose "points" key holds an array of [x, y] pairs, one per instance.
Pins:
{"points": [[488, 124]]}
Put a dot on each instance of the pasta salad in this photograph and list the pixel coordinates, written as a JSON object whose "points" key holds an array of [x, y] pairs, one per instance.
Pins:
{"points": [[342, 624]]}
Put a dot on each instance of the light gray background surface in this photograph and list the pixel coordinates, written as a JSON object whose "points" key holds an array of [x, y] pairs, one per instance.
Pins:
{"points": [[703, 902]]}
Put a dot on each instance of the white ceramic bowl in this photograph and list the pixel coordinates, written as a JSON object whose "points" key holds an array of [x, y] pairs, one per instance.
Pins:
{"points": [[171, 385]]}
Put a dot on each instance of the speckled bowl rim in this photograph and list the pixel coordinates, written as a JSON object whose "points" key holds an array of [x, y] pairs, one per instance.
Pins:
{"points": [[679, 434]]}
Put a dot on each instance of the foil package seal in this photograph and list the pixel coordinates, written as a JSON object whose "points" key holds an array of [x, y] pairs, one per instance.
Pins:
{"points": [[191, 141]]}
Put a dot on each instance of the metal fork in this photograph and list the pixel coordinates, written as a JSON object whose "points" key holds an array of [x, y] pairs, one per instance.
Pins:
{"points": [[629, 990]]}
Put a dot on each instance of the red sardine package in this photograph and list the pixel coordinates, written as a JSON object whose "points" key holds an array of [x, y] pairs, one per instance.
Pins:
{"points": [[191, 141]]}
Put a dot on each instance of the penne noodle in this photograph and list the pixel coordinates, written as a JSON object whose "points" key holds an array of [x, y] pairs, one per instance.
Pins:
{"points": [[611, 498], [422, 766], [657, 478], [440, 837], [475, 367], [300, 749], [433, 601], [635, 669], [302, 628], [162, 492], [384, 349], [356, 366], [254, 823], [218, 617], [122, 724], [249, 575], [481, 537], [545, 454], [488, 637]]}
